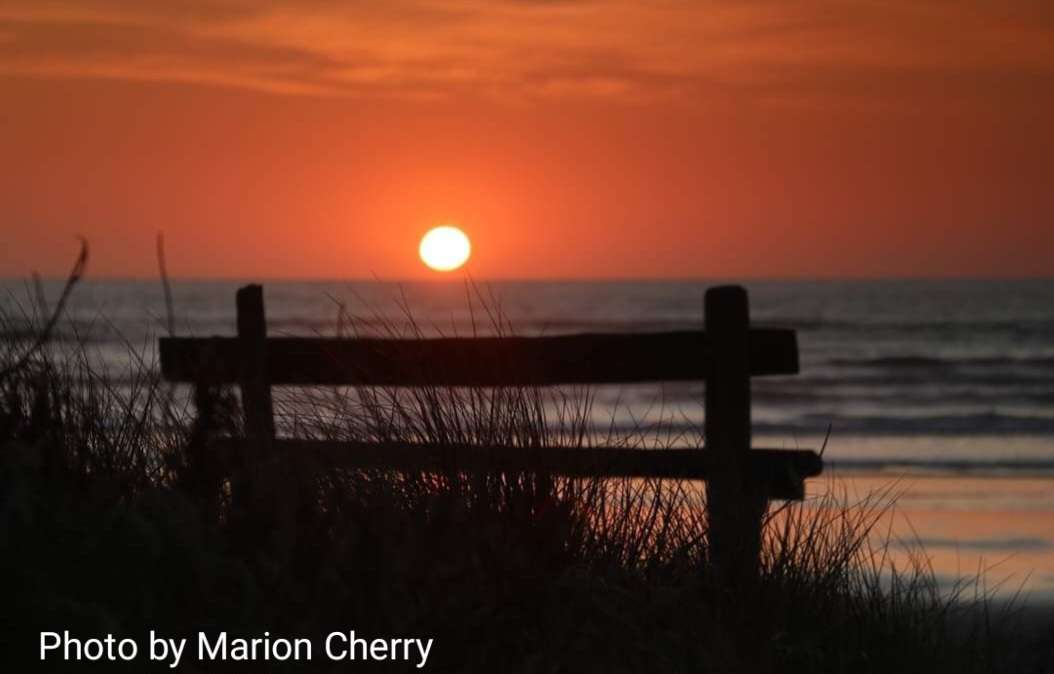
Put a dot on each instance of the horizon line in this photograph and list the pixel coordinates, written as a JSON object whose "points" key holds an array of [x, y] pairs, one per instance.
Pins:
{"points": [[531, 279]]}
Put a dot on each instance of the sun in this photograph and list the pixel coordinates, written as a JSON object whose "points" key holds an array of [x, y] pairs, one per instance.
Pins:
{"points": [[445, 248]]}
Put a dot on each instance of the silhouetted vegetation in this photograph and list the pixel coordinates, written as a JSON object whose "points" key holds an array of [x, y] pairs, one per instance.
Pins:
{"points": [[117, 517]]}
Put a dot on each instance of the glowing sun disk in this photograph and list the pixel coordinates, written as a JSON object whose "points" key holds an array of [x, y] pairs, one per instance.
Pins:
{"points": [[445, 248]]}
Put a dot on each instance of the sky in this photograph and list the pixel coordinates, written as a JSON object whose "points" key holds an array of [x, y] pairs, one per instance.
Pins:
{"points": [[568, 138]]}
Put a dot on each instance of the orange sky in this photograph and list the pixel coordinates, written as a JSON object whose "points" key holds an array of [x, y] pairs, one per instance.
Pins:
{"points": [[569, 138]]}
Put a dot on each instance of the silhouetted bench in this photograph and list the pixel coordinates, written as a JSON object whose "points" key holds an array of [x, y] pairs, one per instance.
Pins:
{"points": [[740, 479]]}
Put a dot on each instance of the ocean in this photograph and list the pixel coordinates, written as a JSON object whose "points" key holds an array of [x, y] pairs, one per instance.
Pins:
{"points": [[945, 386]]}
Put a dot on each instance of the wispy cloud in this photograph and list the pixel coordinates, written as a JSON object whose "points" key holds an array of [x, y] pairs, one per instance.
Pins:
{"points": [[806, 50]]}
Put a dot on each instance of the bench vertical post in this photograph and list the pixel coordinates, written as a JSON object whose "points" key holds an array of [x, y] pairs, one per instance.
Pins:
{"points": [[271, 498], [254, 384], [252, 485], [735, 502], [204, 470]]}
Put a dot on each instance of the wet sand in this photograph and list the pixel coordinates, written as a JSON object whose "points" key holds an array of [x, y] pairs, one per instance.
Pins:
{"points": [[997, 529]]}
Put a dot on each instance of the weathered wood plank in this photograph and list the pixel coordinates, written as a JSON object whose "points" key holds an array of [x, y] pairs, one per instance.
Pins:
{"points": [[486, 361], [781, 471]]}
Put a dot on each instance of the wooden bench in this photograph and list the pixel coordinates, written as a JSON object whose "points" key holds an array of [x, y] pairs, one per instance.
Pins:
{"points": [[740, 479]]}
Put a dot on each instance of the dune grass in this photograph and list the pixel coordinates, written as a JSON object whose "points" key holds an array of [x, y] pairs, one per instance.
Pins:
{"points": [[116, 517]]}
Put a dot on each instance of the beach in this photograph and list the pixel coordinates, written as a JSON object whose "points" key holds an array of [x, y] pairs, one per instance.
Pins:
{"points": [[937, 391]]}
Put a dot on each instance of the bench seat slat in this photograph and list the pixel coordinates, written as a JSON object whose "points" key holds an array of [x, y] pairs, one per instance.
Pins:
{"points": [[783, 471]]}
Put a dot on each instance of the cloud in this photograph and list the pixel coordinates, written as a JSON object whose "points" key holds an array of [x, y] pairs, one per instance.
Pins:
{"points": [[806, 50]]}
